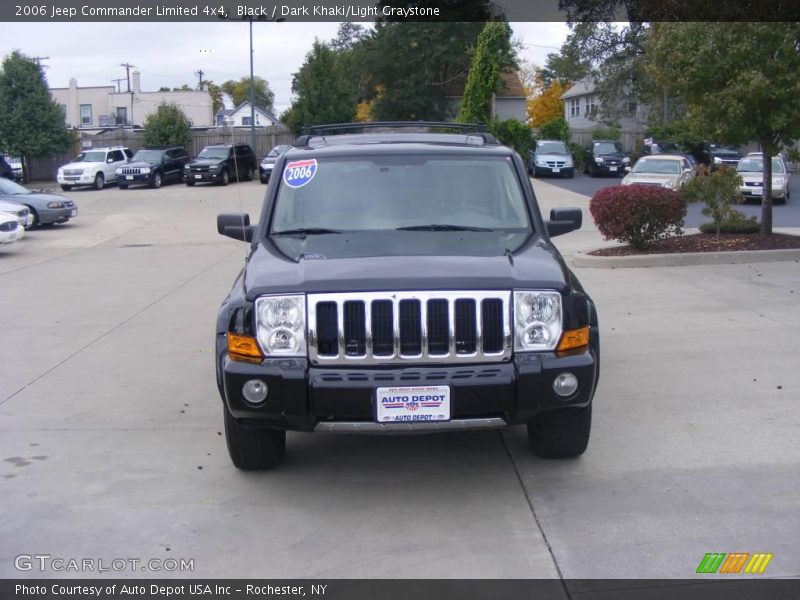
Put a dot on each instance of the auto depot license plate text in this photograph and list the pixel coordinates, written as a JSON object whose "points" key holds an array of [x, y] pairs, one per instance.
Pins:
{"points": [[412, 404]]}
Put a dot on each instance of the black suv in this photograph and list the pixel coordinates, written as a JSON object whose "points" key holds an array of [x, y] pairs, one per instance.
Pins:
{"points": [[403, 282], [221, 164], [605, 157], [153, 166]]}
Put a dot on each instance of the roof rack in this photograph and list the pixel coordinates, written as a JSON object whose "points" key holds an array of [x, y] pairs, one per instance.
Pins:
{"points": [[317, 132]]}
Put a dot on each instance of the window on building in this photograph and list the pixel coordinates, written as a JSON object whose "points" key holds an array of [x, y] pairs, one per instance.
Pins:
{"points": [[632, 108], [122, 115], [86, 114], [591, 106], [246, 121], [574, 107]]}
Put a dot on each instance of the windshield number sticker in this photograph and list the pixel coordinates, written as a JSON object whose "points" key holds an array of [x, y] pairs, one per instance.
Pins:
{"points": [[299, 173]]}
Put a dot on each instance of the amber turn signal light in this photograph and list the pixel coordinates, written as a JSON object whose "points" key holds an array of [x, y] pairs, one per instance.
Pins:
{"points": [[243, 346], [575, 338]]}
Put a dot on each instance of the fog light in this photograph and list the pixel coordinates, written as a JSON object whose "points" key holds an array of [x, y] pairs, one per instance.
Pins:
{"points": [[565, 384], [255, 391]]}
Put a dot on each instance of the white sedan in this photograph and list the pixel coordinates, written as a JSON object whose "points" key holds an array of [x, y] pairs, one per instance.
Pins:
{"points": [[10, 230], [671, 171], [20, 212]]}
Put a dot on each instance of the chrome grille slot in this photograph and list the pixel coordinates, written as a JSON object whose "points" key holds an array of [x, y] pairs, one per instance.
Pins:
{"points": [[407, 327]]}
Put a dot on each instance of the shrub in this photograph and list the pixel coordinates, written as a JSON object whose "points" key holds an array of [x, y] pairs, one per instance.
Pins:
{"points": [[513, 133], [578, 155], [607, 133], [638, 214], [737, 223], [167, 126], [555, 129], [718, 190]]}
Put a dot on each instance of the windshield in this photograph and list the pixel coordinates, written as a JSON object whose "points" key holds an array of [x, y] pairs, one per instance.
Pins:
{"points": [[724, 151], [9, 188], [551, 148], [659, 166], [392, 192], [755, 164], [277, 150], [218, 152], [607, 147], [148, 155], [91, 157]]}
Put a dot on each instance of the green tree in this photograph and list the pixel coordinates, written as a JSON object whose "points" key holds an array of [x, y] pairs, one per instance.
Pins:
{"points": [[322, 94], [167, 126], [555, 129], [239, 91], [493, 52], [31, 123], [718, 190], [746, 87], [215, 92], [513, 133]]}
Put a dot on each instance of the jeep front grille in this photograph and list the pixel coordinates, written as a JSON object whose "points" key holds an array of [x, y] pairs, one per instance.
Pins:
{"points": [[404, 327], [131, 171]]}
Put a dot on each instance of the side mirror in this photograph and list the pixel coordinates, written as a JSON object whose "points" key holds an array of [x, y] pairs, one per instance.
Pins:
{"points": [[109, 160], [627, 169], [564, 220], [236, 226]]}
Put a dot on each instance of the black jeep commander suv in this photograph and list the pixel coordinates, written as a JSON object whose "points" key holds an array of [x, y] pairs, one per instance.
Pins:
{"points": [[153, 166], [221, 164], [403, 281]]}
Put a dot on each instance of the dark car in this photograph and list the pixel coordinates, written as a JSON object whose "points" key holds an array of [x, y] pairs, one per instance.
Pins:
{"points": [[605, 157], [6, 171], [153, 166], [722, 156], [403, 282], [267, 163], [47, 209], [221, 164]]}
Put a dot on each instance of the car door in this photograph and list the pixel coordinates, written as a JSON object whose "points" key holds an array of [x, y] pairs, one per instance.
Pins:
{"points": [[117, 159], [170, 164]]}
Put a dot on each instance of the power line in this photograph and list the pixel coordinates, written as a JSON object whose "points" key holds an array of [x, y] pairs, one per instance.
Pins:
{"points": [[117, 82], [128, 68]]}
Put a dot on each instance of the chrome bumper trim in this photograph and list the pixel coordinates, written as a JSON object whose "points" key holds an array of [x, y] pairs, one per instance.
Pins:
{"points": [[420, 427]]}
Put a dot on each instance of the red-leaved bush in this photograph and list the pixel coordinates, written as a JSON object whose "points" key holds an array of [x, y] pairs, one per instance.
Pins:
{"points": [[638, 214]]}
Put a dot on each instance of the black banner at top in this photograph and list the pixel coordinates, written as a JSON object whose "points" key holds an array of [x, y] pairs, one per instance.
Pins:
{"points": [[397, 10]]}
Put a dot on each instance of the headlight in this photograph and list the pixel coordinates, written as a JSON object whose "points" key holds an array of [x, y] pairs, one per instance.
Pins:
{"points": [[568, 163], [213, 168], [537, 320], [281, 325], [540, 162], [670, 183], [625, 160], [599, 160], [186, 168], [55, 205], [145, 170], [717, 160]]}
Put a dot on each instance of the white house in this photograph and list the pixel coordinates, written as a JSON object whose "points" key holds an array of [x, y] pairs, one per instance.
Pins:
{"points": [[102, 106], [583, 110], [242, 114]]}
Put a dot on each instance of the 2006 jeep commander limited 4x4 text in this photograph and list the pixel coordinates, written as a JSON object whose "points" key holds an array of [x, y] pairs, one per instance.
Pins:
{"points": [[400, 281]]}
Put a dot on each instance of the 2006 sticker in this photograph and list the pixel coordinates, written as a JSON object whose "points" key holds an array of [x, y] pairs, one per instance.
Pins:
{"points": [[299, 173]]}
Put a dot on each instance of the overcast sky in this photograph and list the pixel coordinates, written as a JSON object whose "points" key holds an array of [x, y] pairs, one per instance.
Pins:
{"points": [[168, 54]]}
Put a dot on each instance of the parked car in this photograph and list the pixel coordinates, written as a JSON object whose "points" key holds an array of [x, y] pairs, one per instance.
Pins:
{"points": [[605, 157], [18, 211], [268, 162], [96, 168], [221, 164], [551, 157], [671, 171], [152, 167], [45, 209], [404, 282], [10, 229], [751, 170], [722, 156], [10, 167], [697, 153]]}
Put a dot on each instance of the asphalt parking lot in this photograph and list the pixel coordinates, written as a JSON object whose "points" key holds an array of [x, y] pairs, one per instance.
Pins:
{"points": [[111, 445], [783, 215]]}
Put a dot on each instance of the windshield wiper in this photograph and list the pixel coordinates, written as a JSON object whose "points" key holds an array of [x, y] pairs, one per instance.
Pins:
{"points": [[442, 227], [306, 231]]}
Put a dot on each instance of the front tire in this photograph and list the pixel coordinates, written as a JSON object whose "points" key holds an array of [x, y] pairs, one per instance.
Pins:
{"points": [[99, 182], [248, 176], [66, 188], [225, 178], [565, 434], [122, 186], [254, 449], [156, 181]]}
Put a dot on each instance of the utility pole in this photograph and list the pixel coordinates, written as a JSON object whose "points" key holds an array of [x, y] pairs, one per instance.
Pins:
{"points": [[39, 60], [128, 68], [117, 82], [252, 95], [200, 81]]}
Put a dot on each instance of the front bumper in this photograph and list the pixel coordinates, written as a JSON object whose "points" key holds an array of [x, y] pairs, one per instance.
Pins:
{"points": [[136, 179], [57, 215], [85, 179], [304, 397], [758, 192], [607, 169], [557, 171], [265, 171], [202, 176]]}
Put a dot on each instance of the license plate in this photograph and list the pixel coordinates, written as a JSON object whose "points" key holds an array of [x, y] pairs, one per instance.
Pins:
{"points": [[612, 168], [198, 176], [556, 169], [73, 212], [416, 404], [129, 177]]}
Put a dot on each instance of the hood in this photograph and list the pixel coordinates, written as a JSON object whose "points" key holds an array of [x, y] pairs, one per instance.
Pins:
{"points": [[82, 165], [205, 162], [269, 160], [38, 200], [143, 163], [8, 206], [650, 177], [551, 156], [379, 261]]}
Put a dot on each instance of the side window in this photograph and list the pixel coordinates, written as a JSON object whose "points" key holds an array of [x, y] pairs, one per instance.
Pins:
{"points": [[116, 155], [128, 153]]}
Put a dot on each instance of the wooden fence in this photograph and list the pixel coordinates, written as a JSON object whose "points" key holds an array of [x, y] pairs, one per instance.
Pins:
{"points": [[44, 169]]}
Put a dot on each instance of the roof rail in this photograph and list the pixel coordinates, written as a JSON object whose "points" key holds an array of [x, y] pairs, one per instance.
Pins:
{"points": [[339, 127]]}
